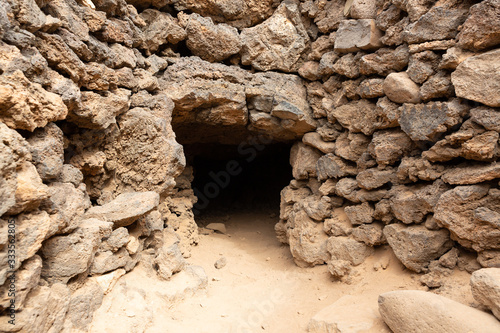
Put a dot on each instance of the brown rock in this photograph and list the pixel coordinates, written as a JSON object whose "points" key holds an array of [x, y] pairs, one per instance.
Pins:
{"points": [[385, 61], [485, 285], [486, 117], [467, 174], [481, 30], [161, 28], [389, 146], [356, 35], [477, 78], [401, 89], [360, 214], [407, 244], [344, 248]]}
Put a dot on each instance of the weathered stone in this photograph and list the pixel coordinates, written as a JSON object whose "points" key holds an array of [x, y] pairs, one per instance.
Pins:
{"points": [[46, 147], [489, 258], [389, 146], [420, 311], [437, 86], [425, 122], [26, 105], [373, 178], [385, 61], [239, 14], [339, 268], [471, 215], [360, 214], [279, 43], [66, 205], [211, 42], [352, 146], [467, 174], [394, 34], [438, 23], [126, 208], [370, 234], [324, 44], [416, 246], [362, 116], [453, 57], [348, 65], [30, 190], [329, 15], [107, 261], [482, 147], [477, 78], [388, 17], [422, 66], [25, 279], [436, 45], [344, 248], [485, 285], [481, 29], [371, 88], [412, 204], [67, 256], [356, 35], [486, 117], [314, 139], [338, 224], [331, 166], [401, 89], [161, 28], [317, 208], [414, 168], [84, 302], [98, 111], [310, 70], [303, 159], [72, 16]]}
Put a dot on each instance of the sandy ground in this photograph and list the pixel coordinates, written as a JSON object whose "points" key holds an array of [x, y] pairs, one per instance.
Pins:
{"points": [[259, 290]]}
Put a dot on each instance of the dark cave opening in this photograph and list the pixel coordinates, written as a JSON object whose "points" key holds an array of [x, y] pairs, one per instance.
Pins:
{"points": [[230, 178]]}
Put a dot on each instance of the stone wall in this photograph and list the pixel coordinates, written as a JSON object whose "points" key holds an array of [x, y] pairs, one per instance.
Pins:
{"points": [[393, 106]]}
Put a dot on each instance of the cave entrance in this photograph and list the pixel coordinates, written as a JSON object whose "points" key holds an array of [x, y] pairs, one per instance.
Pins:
{"points": [[238, 178]]}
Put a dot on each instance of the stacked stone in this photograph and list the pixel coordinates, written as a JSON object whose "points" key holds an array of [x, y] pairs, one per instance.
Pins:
{"points": [[405, 94]]}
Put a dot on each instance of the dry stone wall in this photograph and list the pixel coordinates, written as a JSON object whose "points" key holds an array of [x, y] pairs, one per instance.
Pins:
{"points": [[393, 106]]}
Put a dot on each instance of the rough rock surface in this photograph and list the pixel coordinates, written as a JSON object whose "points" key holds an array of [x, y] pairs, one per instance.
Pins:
{"points": [[420, 311], [485, 284]]}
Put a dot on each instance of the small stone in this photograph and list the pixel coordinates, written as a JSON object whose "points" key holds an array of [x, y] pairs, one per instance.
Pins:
{"points": [[401, 89], [220, 263], [220, 227]]}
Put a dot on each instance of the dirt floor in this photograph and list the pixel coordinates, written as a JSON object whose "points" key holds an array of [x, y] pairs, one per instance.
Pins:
{"points": [[259, 290]]}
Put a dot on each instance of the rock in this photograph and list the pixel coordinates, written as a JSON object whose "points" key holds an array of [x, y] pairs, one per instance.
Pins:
{"points": [[437, 86], [84, 302], [450, 258], [347, 65], [348, 314], [108, 281], [394, 34], [324, 44], [44, 310], [98, 111], [489, 258], [66, 205], [437, 45], [408, 244], [356, 35], [481, 29], [485, 284], [388, 146], [331, 166], [239, 14], [307, 240], [310, 70], [362, 116], [422, 66], [486, 117], [118, 238], [317, 208], [467, 174], [211, 42], [220, 227], [30, 191], [27, 105], [67, 256], [220, 263], [360, 214], [453, 57], [371, 88], [420, 311], [370, 234], [411, 204], [471, 215], [279, 43], [352, 146], [425, 122], [25, 279], [126, 208], [46, 147], [385, 61], [344, 248], [414, 168], [161, 28], [362, 9], [338, 224], [339, 268], [314, 139], [303, 160], [373, 178], [107, 261], [437, 24], [401, 89], [477, 78], [168, 259]]}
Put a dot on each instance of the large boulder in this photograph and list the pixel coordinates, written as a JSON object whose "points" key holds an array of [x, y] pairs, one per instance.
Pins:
{"points": [[416, 311]]}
